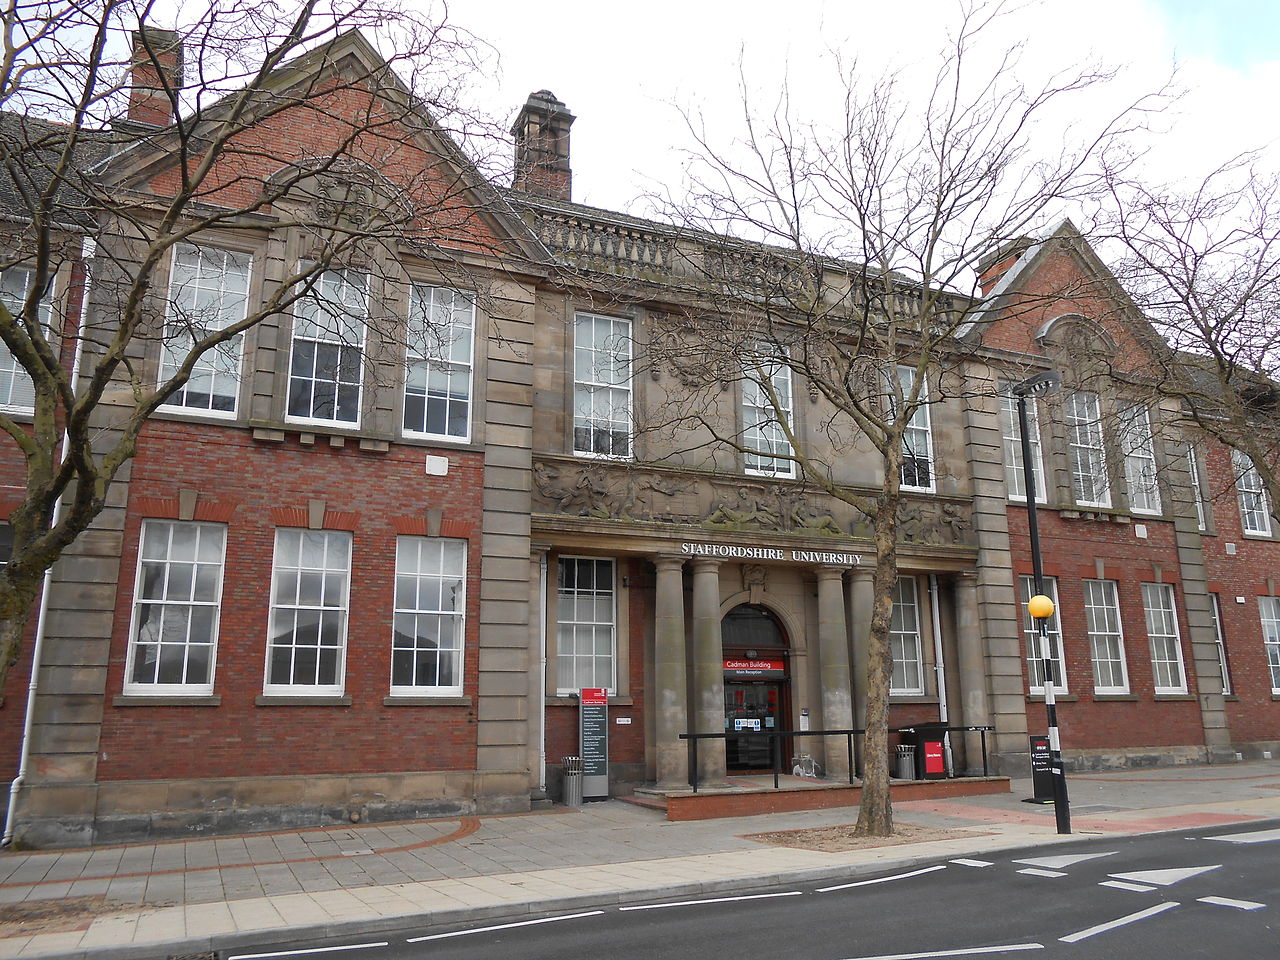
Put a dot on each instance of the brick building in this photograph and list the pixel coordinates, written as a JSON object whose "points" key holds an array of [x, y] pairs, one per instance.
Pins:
{"points": [[370, 586]]}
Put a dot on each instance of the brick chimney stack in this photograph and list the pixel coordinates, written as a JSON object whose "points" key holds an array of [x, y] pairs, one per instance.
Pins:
{"points": [[157, 62], [541, 132], [997, 263]]}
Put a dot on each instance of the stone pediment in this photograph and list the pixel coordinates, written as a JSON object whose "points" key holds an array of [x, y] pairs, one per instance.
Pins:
{"points": [[633, 494]]}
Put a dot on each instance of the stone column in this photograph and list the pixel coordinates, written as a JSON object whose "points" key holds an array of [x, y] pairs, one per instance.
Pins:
{"points": [[975, 710], [708, 669], [833, 670], [860, 604], [671, 709]]}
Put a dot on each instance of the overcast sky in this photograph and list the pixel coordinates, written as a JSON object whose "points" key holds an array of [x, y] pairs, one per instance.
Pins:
{"points": [[624, 69]]}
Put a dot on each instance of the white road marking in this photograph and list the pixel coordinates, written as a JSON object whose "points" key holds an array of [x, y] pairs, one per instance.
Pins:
{"points": [[966, 862], [1123, 921], [1256, 836], [1228, 902], [690, 903], [1163, 878], [1122, 885], [504, 926], [1067, 860], [965, 952], [1035, 872], [896, 876], [303, 953]]}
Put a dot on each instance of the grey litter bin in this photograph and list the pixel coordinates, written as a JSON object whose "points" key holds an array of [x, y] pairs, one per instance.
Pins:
{"points": [[906, 766], [572, 781]]}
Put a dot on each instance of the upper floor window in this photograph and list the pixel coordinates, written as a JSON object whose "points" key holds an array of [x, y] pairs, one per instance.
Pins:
{"points": [[437, 388], [208, 292], [1197, 487], [1083, 417], [1035, 662], [904, 640], [917, 439], [1106, 641], [1138, 447], [1014, 470], [427, 639], [763, 416], [175, 608], [1255, 506], [1162, 631], [587, 624], [602, 385], [16, 390], [327, 359], [307, 645]]}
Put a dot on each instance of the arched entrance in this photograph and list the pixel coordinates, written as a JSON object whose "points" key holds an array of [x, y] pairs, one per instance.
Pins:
{"points": [[756, 684]]}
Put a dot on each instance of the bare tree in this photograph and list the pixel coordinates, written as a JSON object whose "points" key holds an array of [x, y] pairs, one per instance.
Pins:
{"points": [[124, 143], [867, 289]]}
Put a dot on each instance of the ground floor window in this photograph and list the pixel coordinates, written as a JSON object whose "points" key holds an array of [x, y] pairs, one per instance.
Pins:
{"points": [[427, 638], [1106, 641], [586, 624], [1216, 611], [1166, 645], [1035, 663], [1270, 607], [904, 640], [306, 648]]}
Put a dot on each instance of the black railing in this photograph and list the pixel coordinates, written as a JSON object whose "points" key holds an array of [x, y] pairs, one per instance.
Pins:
{"points": [[775, 738]]}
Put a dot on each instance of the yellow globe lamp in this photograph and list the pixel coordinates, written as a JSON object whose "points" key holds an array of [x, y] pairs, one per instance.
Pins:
{"points": [[1040, 607]]}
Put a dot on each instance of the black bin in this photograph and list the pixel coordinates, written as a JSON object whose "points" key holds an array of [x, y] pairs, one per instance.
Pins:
{"points": [[931, 761]]}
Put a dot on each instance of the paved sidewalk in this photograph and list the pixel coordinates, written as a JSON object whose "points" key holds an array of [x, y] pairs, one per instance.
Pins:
{"points": [[183, 897]]}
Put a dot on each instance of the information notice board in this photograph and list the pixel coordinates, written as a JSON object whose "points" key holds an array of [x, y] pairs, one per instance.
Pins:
{"points": [[593, 735], [1041, 770]]}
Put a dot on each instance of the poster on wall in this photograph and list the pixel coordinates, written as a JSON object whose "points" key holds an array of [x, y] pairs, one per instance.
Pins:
{"points": [[593, 737]]}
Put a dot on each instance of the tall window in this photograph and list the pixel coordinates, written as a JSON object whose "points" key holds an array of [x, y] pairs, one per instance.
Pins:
{"points": [[1270, 610], [1197, 487], [1102, 620], [427, 640], [1035, 664], [208, 292], [917, 439], [326, 366], [602, 385], [1219, 638], [175, 608], [6, 543], [1083, 418], [1014, 473], [1138, 448], [306, 649], [16, 390], [1162, 630], [763, 434], [587, 624], [904, 639], [437, 389], [1255, 506]]}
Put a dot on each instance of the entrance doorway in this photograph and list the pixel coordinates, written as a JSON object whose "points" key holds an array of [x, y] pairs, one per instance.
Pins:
{"points": [[756, 686]]}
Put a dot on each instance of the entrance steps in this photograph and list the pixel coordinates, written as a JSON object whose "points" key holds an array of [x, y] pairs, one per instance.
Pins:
{"points": [[751, 795]]}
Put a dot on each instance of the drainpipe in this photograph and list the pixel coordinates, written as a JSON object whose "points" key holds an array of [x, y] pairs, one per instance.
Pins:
{"points": [[542, 674], [939, 668], [88, 249]]}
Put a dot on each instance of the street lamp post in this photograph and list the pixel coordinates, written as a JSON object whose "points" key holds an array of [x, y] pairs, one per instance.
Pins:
{"points": [[1040, 607]]}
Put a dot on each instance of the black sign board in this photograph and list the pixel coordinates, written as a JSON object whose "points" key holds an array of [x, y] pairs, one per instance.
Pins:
{"points": [[1041, 770], [593, 735]]}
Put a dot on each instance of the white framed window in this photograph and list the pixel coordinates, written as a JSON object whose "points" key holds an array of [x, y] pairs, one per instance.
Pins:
{"points": [[1197, 487], [768, 450], [1166, 643], [904, 639], [1035, 664], [586, 631], [17, 393], [917, 439], [430, 604], [438, 378], [310, 586], [1219, 638], [1082, 415], [1269, 608], [1106, 640], [1255, 506], [326, 362], [1015, 477], [173, 636], [602, 386], [1139, 451], [208, 292]]}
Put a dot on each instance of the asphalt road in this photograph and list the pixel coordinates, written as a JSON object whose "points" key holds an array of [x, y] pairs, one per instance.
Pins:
{"points": [[1154, 897]]}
